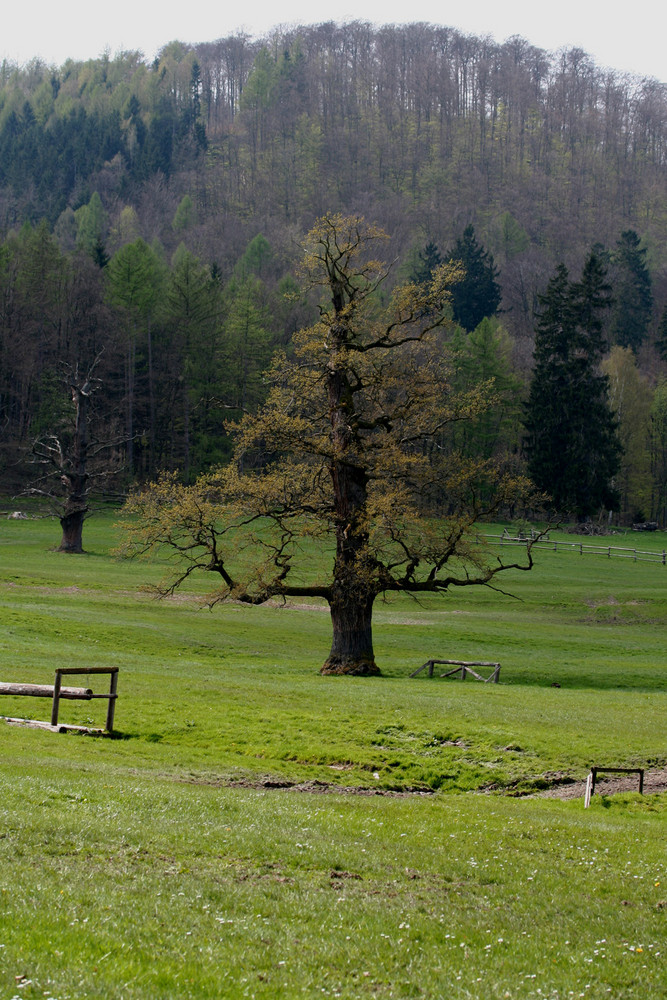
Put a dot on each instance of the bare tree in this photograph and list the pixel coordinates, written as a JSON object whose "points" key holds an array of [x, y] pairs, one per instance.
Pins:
{"points": [[71, 460]]}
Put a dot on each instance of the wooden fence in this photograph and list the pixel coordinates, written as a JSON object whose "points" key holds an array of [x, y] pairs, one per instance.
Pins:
{"points": [[582, 548]]}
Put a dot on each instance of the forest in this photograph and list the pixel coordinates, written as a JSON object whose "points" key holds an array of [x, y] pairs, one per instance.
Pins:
{"points": [[151, 216]]}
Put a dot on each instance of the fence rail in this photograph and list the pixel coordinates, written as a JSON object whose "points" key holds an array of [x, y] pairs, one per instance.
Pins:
{"points": [[561, 545]]}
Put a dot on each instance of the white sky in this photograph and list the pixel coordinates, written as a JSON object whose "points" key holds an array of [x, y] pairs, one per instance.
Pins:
{"points": [[615, 34]]}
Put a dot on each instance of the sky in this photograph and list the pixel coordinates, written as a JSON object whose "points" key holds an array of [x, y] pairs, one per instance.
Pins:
{"points": [[78, 29]]}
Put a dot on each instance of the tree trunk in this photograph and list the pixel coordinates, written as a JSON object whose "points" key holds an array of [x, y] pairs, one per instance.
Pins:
{"points": [[72, 525], [151, 401], [76, 480], [354, 585], [352, 644], [130, 377]]}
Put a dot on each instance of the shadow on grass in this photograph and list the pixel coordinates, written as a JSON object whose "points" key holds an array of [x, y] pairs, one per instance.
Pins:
{"points": [[566, 679]]}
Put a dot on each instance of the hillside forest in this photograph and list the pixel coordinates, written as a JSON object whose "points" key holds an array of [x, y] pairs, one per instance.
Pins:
{"points": [[152, 213]]}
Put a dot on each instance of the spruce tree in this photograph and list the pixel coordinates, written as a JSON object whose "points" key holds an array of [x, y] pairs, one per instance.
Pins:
{"points": [[478, 294], [428, 261], [571, 438], [632, 292]]}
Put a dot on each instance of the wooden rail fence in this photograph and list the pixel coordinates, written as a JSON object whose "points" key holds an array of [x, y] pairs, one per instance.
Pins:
{"points": [[592, 779], [561, 545], [462, 667], [57, 692]]}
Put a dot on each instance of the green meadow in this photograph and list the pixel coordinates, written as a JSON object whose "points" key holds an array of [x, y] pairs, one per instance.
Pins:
{"points": [[256, 830]]}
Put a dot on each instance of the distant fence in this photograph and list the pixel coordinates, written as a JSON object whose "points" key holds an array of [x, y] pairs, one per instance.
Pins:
{"points": [[561, 545]]}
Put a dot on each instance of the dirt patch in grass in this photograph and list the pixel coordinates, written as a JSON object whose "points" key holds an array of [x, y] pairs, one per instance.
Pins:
{"points": [[608, 784], [296, 605], [654, 781], [313, 787], [605, 602], [561, 786]]}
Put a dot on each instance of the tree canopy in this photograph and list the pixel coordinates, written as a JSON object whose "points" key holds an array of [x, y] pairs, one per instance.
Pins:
{"points": [[349, 452]]}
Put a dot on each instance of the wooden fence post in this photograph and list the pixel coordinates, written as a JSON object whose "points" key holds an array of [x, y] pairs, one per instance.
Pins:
{"points": [[111, 706], [56, 698], [589, 788]]}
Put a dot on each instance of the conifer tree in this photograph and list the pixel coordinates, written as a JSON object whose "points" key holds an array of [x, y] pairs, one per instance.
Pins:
{"points": [[136, 276], [478, 294], [192, 326], [92, 224], [632, 292], [571, 438], [428, 260], [483, 358]]}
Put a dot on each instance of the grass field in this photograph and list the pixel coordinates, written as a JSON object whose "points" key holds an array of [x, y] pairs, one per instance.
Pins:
{"points": [[185, 859]]}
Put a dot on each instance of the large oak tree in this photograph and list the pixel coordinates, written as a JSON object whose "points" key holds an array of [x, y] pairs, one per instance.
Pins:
{"points": [[347, 459]]}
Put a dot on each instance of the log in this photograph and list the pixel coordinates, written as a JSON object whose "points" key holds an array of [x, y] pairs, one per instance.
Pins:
{"points": [[46, 691], [60, 728], [33, 724]]}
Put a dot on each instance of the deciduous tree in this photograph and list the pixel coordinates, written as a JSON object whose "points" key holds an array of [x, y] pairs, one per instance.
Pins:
{"points": [[69, 461], [630, 398], [659, 452], [345, 453]]}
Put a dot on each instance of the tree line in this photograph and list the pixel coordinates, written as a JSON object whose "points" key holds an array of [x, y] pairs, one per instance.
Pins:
{"points": [[419, 127], [177, 349], [180, 353], [150, 215]]}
